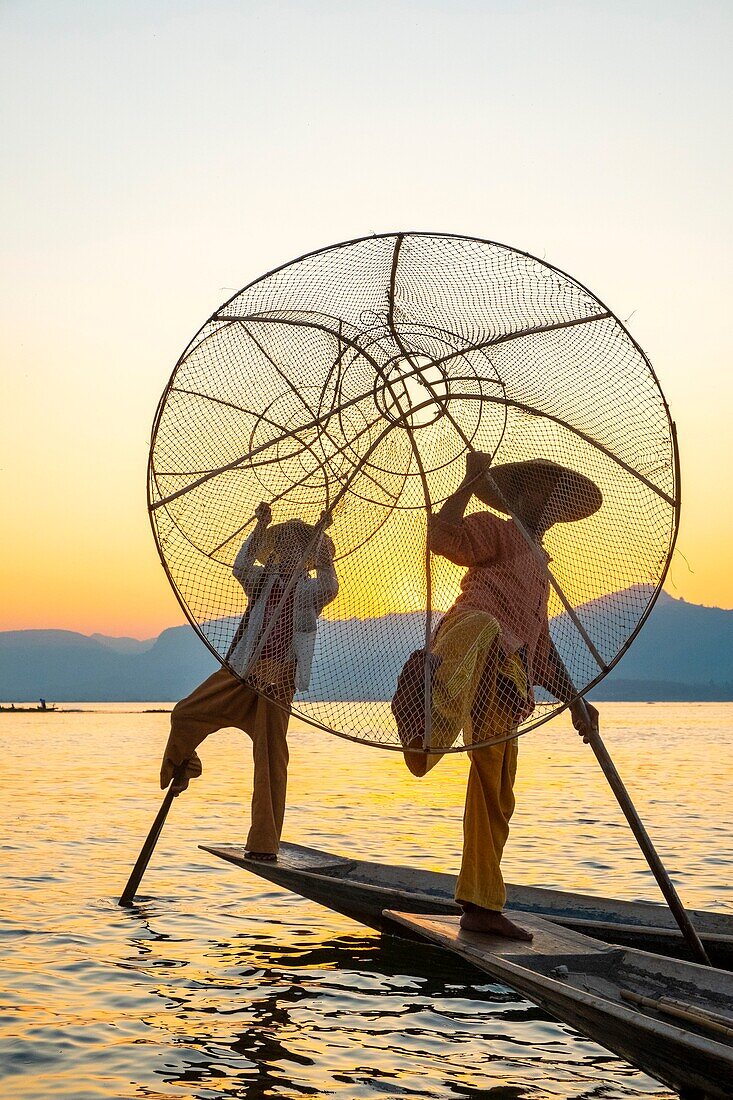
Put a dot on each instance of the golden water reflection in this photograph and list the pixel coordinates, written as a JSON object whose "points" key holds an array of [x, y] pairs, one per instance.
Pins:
{"points": [[217, 985]]}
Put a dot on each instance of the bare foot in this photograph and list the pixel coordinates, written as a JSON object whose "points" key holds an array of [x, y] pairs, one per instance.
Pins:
{"points": [[476, 919], [261, 857]]}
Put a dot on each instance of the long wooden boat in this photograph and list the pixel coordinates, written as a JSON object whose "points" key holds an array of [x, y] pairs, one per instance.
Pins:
{"points": [[53, 709], [672, 1019], [362, 889]]}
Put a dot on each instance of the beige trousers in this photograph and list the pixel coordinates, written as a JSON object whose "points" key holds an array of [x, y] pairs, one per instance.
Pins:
{"points": [[221, 701]]}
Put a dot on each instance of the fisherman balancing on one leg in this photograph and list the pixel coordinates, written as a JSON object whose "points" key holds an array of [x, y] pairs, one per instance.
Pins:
{"points": [[272, 651], [489, 650]]}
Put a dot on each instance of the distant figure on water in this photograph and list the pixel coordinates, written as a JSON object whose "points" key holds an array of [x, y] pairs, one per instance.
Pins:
{"points": [[489, 650], [272, 651]]}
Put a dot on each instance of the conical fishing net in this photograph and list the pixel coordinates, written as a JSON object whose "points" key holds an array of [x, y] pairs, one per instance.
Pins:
{"points": [[349, 392]]}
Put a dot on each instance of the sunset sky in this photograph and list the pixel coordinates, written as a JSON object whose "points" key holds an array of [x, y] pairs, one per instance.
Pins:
{"points": [[157, 156]]}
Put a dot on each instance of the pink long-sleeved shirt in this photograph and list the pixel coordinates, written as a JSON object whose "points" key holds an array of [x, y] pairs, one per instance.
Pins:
{"points": [[504, 578]]}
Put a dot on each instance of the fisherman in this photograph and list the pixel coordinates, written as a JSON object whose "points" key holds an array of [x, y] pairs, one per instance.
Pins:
{"points": [[272, 652], [491, 647]]}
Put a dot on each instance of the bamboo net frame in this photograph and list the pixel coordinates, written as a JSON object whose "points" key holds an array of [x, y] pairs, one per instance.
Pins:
{"points": [[345, 389]]}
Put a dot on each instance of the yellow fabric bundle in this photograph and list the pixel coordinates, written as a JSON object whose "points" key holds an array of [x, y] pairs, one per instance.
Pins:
{"points": [[468, 644]]}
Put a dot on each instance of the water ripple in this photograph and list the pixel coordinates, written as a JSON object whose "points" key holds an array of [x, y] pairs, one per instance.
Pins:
{"points": [[217, 986]]}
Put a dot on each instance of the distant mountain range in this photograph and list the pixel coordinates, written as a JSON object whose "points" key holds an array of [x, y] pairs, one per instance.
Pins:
{"points": [[684, 652]]}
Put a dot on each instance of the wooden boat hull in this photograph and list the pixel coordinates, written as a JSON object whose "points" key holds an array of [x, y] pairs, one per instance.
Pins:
{"points": [[579, 981], [363, 889]]}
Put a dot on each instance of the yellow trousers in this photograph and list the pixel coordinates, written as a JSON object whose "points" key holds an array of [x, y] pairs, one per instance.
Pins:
{"points": [[221, 701], [467, 696], [489, 807], [466, 691]]}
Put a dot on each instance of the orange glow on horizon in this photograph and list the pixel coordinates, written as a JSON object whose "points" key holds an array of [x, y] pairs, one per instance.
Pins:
{"points": [[115, 253], [123, 590]]}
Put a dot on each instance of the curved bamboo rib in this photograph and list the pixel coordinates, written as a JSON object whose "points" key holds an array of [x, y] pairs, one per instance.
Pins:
{"points": [[302, 481], [305, 427], [310, 545], [590, 440], [250, 412], [207, 475], [317, 422], [506, 401], [522, 333], [293, 388], [534, 548], [427, 684]]}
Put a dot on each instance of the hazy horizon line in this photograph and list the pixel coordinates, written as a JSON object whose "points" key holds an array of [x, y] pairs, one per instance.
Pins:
{"points": [[173, 626]]}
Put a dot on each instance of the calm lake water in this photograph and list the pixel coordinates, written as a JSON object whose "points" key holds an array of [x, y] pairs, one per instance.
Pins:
{"points": [[216, 986]]}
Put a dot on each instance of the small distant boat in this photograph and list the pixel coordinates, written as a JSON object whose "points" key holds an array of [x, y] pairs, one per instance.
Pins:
{"points": [[48, 709], [362, 889]]}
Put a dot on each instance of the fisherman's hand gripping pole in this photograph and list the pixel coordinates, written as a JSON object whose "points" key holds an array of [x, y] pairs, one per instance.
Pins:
{"points": [[128, 894], [584, 717]]}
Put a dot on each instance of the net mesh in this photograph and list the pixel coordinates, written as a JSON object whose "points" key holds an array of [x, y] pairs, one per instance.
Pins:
{"points": [[346, 391]]}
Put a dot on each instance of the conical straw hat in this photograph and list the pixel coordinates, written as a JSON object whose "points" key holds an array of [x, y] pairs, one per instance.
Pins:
{"points": [[570, 496], [297, 530]]}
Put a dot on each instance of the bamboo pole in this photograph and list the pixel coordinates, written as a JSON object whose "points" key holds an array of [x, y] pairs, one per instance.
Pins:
{"points": [[644, 841], [594, 739], [681, 1011], [128, 894]]}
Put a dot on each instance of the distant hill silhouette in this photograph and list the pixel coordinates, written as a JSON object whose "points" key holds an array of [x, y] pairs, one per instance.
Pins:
{"points": [[124, 645], [64, 666], [684, 652]]}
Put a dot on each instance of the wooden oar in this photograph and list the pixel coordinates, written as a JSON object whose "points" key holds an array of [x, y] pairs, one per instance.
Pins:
{"points": [[644, 841], [128, 894]]}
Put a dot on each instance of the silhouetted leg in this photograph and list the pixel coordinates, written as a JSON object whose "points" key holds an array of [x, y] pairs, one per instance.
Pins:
{"points": [[270, 754]]}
